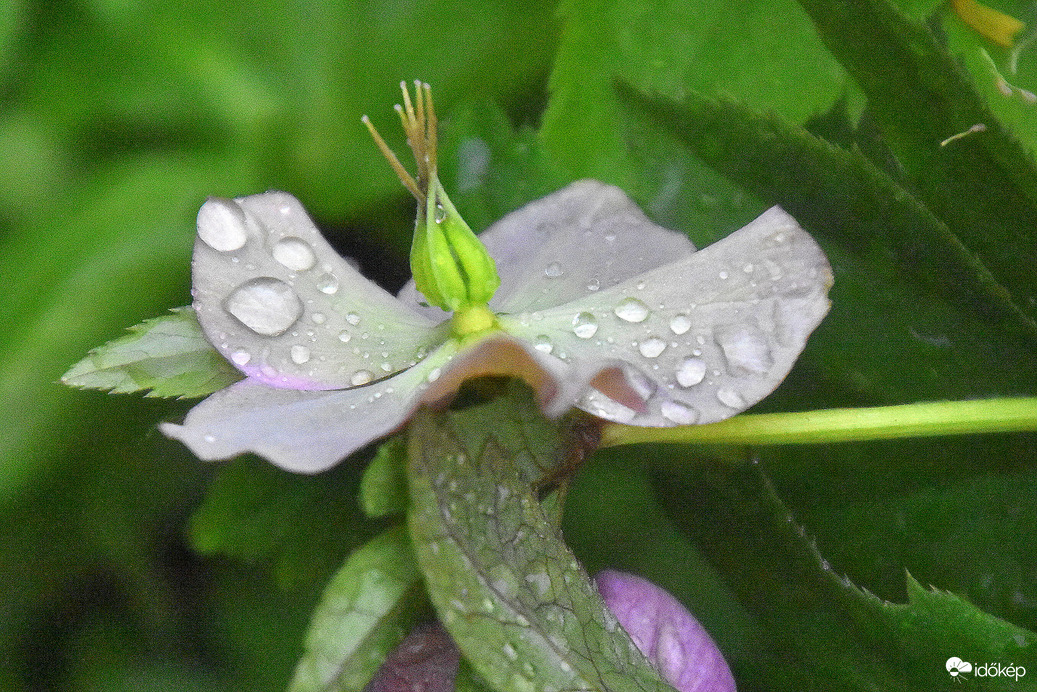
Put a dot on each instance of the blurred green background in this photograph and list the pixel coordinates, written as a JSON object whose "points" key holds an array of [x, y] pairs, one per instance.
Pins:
{"points": [[119, 117]]}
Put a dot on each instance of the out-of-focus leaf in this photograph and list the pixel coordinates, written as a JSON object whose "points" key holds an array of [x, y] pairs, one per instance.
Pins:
{"points": [[510, 592], [304, 524], [168, 356], [426, 660], [383, 487], [367, 608]]}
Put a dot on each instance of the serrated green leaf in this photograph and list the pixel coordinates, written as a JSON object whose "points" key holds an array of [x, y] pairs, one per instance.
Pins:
{"points": [[383, 487], [368, 607], [167, 356], [505, 585]]}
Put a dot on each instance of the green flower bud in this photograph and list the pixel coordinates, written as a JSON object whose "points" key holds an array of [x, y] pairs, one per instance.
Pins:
{"points": [[451, 267]]}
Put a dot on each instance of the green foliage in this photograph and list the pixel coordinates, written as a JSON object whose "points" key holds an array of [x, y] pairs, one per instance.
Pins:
{"points": [[166, 356]]}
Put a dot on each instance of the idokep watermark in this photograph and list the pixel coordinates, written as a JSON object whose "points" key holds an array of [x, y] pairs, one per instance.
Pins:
{"points": [[963, 670]]}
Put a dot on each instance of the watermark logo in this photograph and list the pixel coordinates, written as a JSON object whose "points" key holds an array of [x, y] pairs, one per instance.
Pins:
{"points": [[961, 670]]}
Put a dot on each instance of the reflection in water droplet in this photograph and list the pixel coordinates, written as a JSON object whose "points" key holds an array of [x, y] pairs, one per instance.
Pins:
{"points": [[652, 347], [678, 413], [691, 372], [553, 270], [543, 344], [585, 325], [361, 377], [221, 225], [680, 324], [265, 305], [240, 357], [327, 283], [730, 398], [353, 318], [631, 310], [294, 253], [299, 354]]}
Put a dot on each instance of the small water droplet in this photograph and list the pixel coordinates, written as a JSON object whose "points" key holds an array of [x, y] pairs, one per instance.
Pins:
{"points": [[676, 412], [730, 398], [221, 225], [361, 377], [299, 354], [344, 337], [585, 325], [723, 275], [434, 374], [440, 212], [327, 283], [631, 310], [652, 347], [387, 367], [294, 253], [241, 357], [318, 318], [265, 305], [353, 318], [543, 344], [553, 270], [593, 285], [679, 324], [691, 372]]}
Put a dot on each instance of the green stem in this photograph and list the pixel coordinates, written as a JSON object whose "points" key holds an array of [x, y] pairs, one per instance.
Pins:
{"points": [[844, 425]]}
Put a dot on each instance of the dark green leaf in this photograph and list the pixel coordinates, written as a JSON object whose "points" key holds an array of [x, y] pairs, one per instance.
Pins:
{"points": [[368, 607], [512, 595], [383, 487]]}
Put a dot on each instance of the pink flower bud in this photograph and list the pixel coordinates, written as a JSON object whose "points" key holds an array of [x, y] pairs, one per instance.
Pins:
{"points": [[666, 633]]}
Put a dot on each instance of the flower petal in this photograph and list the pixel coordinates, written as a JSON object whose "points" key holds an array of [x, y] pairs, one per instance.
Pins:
{"points": [[583, 238], [705, 337], [281, 305], [303, 431], [666, 633]]}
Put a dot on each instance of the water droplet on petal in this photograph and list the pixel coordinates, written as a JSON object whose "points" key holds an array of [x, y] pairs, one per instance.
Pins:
{"points": [[353, 318], [241, 357], [361, 377], [344, 337], [593, 285], [585, 325], [553, 270], [299, 354], [318, 318], [543, 344], [723, 275], [327, 283], [631, 310], [265, 305], [294, 253], [221, 225], [676, 412], [730, 398], [652, 347], [434, 374], [680, 324], [691, 372]]}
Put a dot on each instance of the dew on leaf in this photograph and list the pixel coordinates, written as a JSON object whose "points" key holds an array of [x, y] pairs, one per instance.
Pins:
{"points": [[631, 310], [265, 305], [221, 225], [294, 253]]}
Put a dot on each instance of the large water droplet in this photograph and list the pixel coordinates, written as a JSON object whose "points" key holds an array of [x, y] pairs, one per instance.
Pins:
{"points": [[327, 283], [543, 344], [585, 325], [300, 354], [221, 225], [730, 398], [265, 305], [353, 318], [745, 350], [679, 324], [361, 377], [294, 253], [631, 310], [676, 412], [652, 347], [691, 372], [553, 270]]}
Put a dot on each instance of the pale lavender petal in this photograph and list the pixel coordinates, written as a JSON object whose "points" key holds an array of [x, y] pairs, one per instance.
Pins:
{"points": [[282, 306], [583, 238], [666, 633]]}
